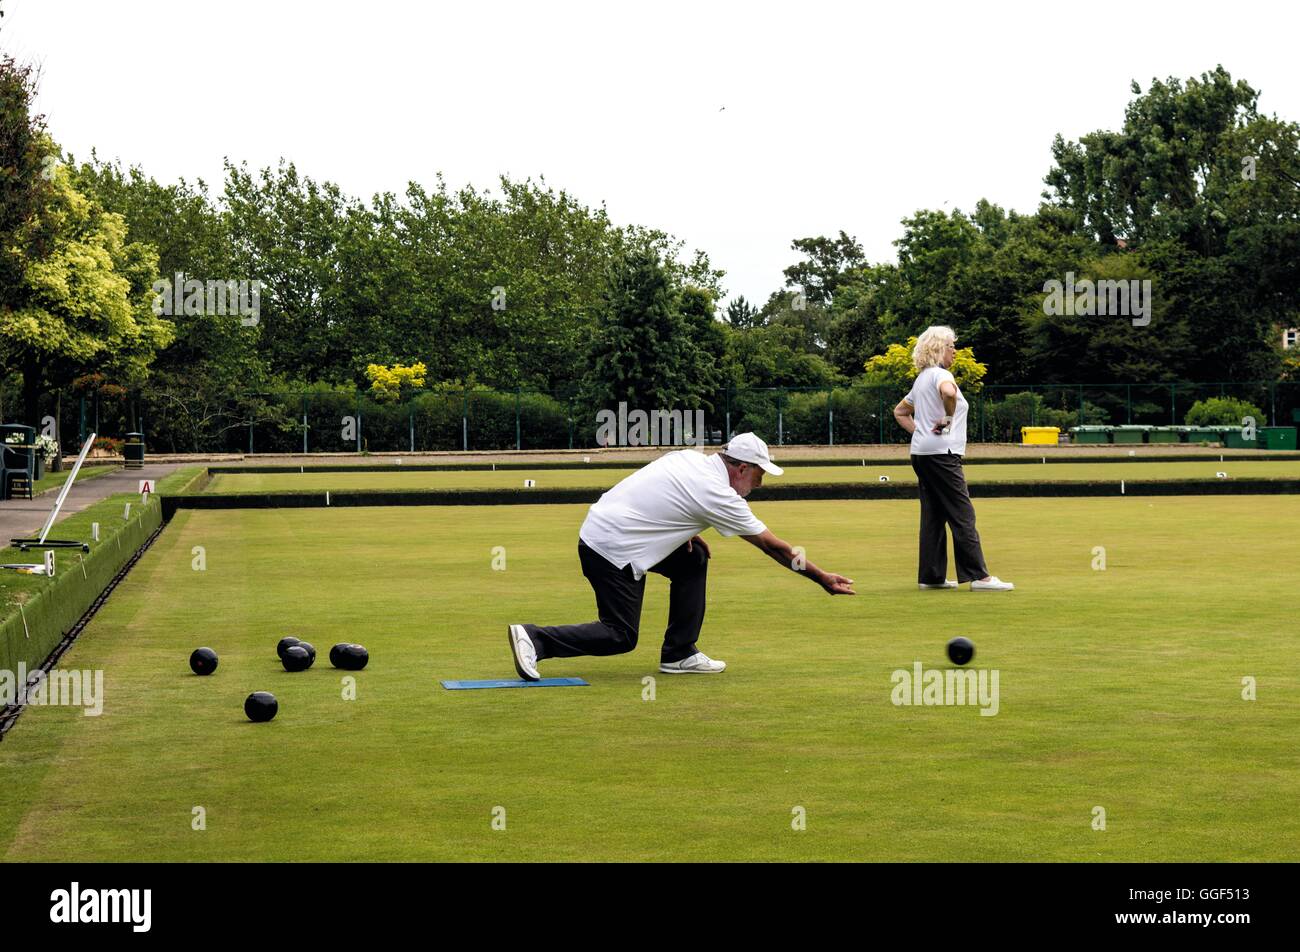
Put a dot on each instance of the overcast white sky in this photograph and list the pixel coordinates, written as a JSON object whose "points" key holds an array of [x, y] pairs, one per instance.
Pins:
{"points": [[837, 115]]}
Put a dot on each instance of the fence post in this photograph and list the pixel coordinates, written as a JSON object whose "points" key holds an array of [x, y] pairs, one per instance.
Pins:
{"points": [[881, 395], [518, 441], [464, 420], [830, 418], [1173, 404], [1080, 423], [358, 423], [1272, 403], [304, 424], [410, 418], [780, 419], [81, 423], [728, 421], [1128, 401], [250, 437]]}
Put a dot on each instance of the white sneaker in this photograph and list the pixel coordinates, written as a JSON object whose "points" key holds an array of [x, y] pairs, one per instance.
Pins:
{"points": [[994, 584], [698, 663], [948, 583], [525, 655]]}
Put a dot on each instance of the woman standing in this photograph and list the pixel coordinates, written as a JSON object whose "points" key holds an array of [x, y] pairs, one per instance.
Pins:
{"points": [[935, 414]]}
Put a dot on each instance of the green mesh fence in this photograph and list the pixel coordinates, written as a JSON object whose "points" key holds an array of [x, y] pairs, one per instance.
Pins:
{"points": [[480, 419]]}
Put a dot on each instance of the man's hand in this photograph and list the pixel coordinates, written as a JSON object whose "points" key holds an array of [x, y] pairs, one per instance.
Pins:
{"points": [[690, 543], [837, 584], [942, 425], [783, 552]]}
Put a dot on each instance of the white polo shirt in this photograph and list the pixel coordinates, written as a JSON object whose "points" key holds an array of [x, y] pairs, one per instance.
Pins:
{"points": [[927, 410], [650, 513]]}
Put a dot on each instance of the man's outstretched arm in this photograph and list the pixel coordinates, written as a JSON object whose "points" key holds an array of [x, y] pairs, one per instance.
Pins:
{"points": [[784, 553]]}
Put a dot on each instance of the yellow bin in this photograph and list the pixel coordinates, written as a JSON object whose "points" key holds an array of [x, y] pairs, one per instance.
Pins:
{"points": [[1039, 435]]}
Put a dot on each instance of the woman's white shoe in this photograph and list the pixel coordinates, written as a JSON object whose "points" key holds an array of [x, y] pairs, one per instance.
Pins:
{"points": [[991, 584]]}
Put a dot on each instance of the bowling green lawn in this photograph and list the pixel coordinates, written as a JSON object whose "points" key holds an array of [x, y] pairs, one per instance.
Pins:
{"points": [[1119, 688], [870, 473]]}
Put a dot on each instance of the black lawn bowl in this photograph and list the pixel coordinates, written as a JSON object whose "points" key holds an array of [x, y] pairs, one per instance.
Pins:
{"points": [[349, 657], [296, 658], [261, 706], [285, 644], [961, 650], [203, 661], [310, 649]]}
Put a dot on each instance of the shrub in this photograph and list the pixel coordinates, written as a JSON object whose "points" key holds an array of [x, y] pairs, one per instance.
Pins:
{"points": [[1222, 411]]}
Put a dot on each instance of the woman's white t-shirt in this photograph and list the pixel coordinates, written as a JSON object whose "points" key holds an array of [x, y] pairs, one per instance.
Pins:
{"points": [[927, 410]]}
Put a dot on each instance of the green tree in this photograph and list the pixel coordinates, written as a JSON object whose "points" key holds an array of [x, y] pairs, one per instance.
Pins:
{"points": [[828, 262], [202, 384], [707, 337], [774, 356], [26, 159], [811, 320], [87, 302], [1147, 181], [860, 314], [1201, 187], [742, 315], [288, 228], [642, 352]]}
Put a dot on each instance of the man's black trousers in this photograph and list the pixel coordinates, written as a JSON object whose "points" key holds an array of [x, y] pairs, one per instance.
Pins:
{"points": [[618, 605], [945, 501]]}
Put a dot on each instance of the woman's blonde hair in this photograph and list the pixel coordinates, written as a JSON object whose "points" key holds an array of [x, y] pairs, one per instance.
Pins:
{"points": [[930, 346]]}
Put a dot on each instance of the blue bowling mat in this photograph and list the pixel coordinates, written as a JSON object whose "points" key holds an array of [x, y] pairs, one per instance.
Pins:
{"points": [[544, 683]]}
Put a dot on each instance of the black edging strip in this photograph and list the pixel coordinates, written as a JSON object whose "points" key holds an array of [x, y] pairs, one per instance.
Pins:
{"points": [[10, 713]]}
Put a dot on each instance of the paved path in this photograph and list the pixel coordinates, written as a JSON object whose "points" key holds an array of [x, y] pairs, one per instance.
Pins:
{"points": [[23, 518]]}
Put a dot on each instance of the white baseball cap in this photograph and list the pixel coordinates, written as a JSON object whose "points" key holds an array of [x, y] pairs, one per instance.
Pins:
{"points": [[747, 448]]}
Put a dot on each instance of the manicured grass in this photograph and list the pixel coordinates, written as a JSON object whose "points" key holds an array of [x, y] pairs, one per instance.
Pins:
{"points": [[183, 480], [16, 587], [603, 478], [1118, 688]]}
